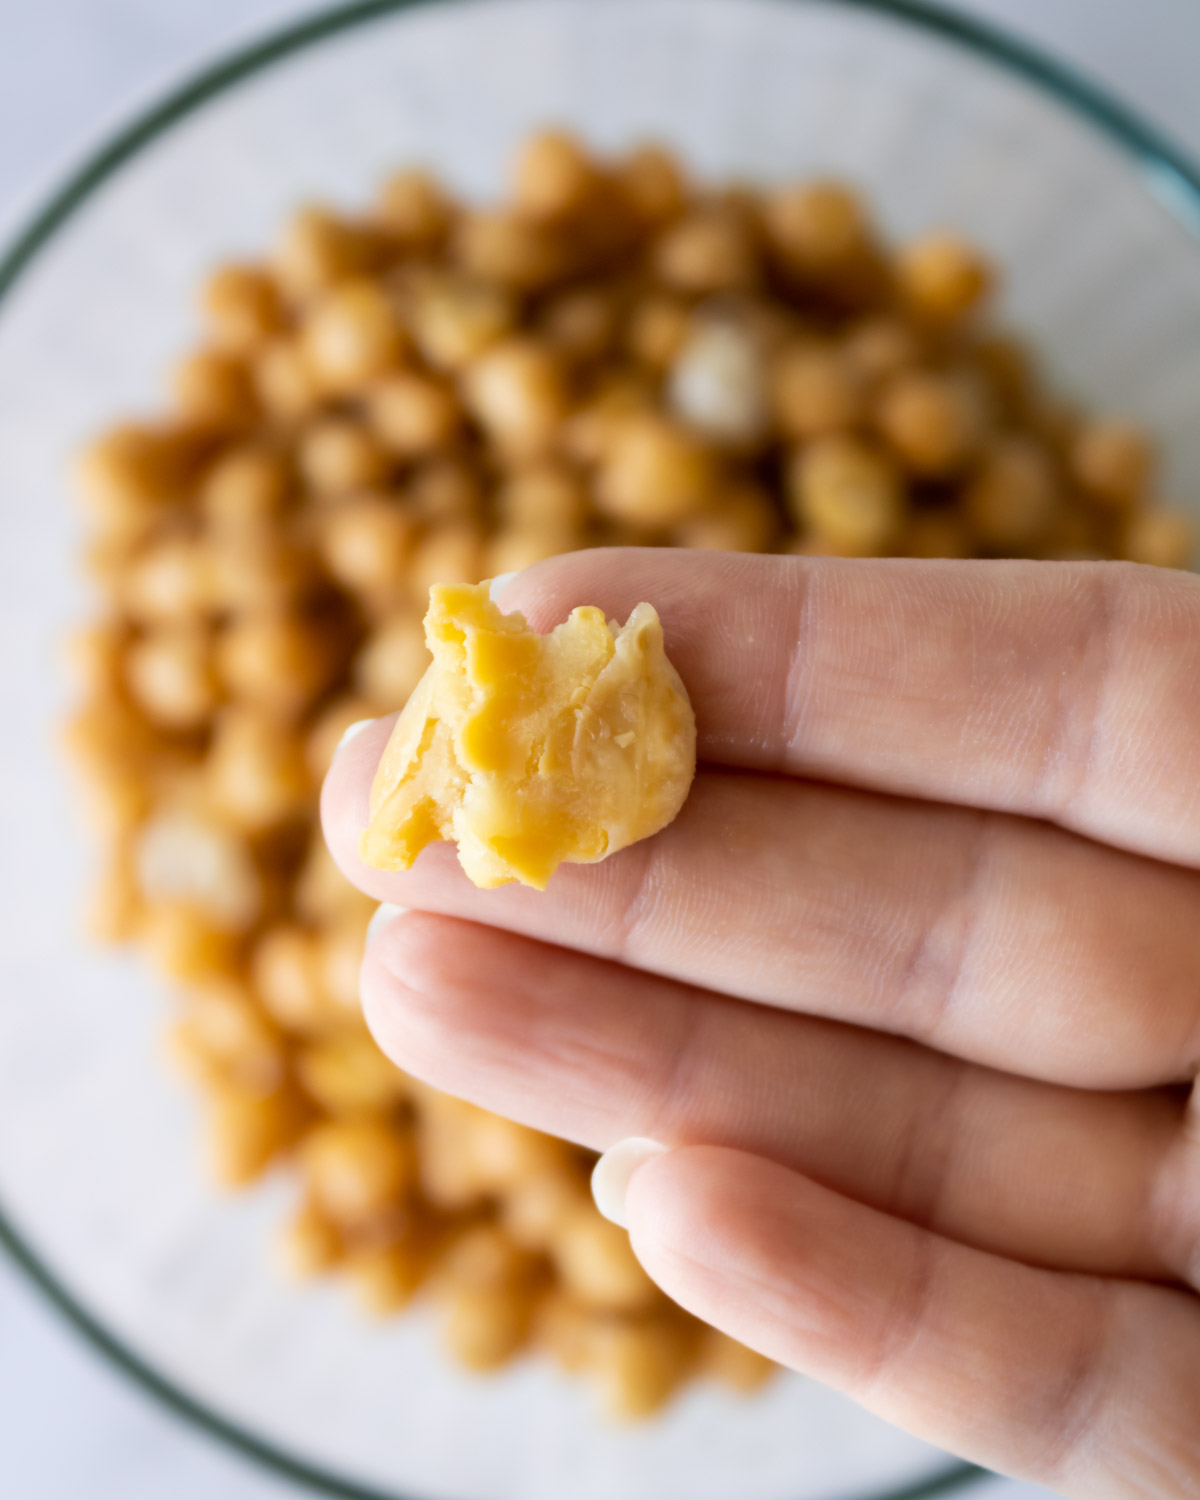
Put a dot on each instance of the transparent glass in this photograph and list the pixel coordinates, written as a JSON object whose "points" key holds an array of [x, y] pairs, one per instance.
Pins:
{"points": [[1093, 224]]}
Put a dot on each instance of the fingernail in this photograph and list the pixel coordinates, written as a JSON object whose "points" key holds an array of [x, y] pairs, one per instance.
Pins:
{"points": [[381, 916], [612, 1173], [352, 731], [498, 584]]}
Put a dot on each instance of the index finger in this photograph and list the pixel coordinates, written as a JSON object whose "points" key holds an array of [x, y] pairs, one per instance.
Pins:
{"points": [[1052, 690]]}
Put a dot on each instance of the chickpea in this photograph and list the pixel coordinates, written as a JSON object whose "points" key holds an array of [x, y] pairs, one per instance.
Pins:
{"points": [[934, 423], [128, 477], [413, 415], [597, 1265], [223, 1037], [248, 1130], [110, 750], [286, 973], [449, 554], [505, 1153], [653, 181], [936, 533], [635, 1367], [323, 893], [277, 663], [1011, 501], [581, 324], [707, 251], [718, 384], [115, 908], [535, 1208], [348, 1075], [215, 391], [339, 454], [878, 348], [1162, 538], [1112, 462], [553, 177], [942, 278], [94, 655], [181, 943], [517, 393], [592, 432], [352, 336], [257, 570], [818, 229], [501, 248], [326, 733], [544, 496], [392, 661], [358, 1169], [170, 677], [744, 521], [309, 1245], [453, 322], [448, 489], [815, 390], [256, 770], [656, 474], [658, 329], [247, 487], [515, 548], [849, 493], [485, 1256], [169, 582], [414, 211], [483, 1328], [316, 250], [365, 544], [242, 308], [726, 1360], [385, 1278], [285, 382], [1005, 365]]}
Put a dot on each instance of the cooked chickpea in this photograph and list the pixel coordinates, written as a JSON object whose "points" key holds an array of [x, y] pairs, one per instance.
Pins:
{"points": [[392, 661], [1162, 538], [278, 664], [130, 476], [534, 1208], [731, 1363], [181, 943], [593, 430], [318, 249], [339, 454], [115, 906], [486, 1256], [505, 1153], [309, 1244], [936, 533], [849, 493], [242, 307], [553, 176], [256, 770], [581, 324], [348, 1075], [1112, 462], [544, 496], [322, 893], [170, 675], [1011, 501], [512, 549], [708, 251], [653, 182], [326, 732], [248, 1130], [934, 423], [502, 248], [818, 229], [635, 1367], [815, 390], [718, 384], [94, 655], [452, 553], [385, 1278], [880, 347], [358, 1169], [414, 210], [365, 543], [258, 569], [598, 1266], [352, 336], [517, 392], [942, 277], [286, 971], [453, 322], [215, 391], [658, 329], [448, 489], [656, 473], [248, 487], [413, 415], [483, 1328], [285, 382], [744, 520], [225, 1038]]}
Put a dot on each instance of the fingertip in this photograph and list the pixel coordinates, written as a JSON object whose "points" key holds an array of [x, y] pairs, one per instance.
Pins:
{"points": [[346, 791]]}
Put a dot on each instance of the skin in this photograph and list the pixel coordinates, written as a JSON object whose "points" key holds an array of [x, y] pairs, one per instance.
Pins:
{"points": [[910, 989]]}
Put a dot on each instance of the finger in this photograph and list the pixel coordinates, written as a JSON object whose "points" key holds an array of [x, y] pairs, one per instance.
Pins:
{"points": [[594, 1052], [1060, 691], [1002, 940], [1085, 1384]]}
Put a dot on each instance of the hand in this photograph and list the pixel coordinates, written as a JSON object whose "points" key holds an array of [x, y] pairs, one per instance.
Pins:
{"points": [[910, 990]]}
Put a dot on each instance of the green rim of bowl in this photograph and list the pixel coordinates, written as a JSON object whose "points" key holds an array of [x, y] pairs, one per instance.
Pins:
{"points": [[1167, 175]]}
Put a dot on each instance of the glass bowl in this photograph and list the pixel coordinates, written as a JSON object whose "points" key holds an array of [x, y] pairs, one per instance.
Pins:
{"points": [[941, 123]]}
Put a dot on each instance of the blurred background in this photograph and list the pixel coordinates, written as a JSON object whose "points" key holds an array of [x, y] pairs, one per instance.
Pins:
{"points": [[69, 68]]}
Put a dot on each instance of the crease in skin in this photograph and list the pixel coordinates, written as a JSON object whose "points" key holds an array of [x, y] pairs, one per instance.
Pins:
{"points": [[529, 751]]}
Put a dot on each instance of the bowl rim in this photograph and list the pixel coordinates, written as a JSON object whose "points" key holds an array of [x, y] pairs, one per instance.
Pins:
{"points": [[1168, 175]]}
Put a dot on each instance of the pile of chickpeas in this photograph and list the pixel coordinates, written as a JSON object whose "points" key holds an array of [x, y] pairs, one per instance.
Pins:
{"points": [[431, 392]]}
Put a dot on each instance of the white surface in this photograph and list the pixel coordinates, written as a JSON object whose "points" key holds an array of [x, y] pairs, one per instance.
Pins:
{"points": [[67, 1427]]}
